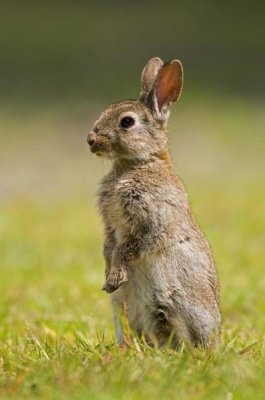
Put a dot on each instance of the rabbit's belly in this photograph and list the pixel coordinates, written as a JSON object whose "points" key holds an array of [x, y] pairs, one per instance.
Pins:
{"points": [[147, 289], [157, 303]]}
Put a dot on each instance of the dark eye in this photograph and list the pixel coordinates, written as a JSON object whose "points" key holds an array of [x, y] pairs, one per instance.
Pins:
{"points": [[127, 122]]}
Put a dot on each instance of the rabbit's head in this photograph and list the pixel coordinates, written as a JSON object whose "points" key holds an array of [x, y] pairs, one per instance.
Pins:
{"points": [[136, 129]]}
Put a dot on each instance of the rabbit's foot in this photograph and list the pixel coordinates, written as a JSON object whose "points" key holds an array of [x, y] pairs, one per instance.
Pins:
{"points": [[115, 279]]}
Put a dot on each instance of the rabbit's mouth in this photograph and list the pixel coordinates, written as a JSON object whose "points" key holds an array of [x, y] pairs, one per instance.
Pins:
{"points": [[96, 148], [99, 151], [99, 146]]}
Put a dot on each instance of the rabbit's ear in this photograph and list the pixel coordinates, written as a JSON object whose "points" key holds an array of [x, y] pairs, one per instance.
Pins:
{"points": [[149, 76], [168, 86], [161, 86]]}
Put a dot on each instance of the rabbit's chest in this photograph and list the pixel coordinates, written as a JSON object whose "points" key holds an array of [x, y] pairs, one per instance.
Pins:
{"points": [[110, 203]]}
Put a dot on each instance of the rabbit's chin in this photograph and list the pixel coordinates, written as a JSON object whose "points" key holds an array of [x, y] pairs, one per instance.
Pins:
{"points": [[107, 156], [101, 151]]}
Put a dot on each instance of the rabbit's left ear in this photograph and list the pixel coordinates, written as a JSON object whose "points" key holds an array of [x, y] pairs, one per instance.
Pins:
{"points": [[148, 78], [166, 89]]}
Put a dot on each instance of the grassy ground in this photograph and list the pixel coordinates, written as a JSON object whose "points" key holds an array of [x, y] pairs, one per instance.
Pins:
{"points": [[56, 331]]}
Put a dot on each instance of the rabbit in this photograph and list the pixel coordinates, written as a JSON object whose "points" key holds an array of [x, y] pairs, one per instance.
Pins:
{"points": [[159, 267]]}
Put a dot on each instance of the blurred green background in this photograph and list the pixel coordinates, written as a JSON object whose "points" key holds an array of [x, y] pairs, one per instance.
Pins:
{"points": [[61, 64], [94, 50]]}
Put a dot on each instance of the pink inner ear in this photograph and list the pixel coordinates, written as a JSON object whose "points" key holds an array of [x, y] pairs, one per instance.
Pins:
{"points": [[169, 84]]}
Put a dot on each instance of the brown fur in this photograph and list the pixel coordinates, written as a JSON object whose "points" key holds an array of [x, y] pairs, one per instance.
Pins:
{"points": [[159, 265]]}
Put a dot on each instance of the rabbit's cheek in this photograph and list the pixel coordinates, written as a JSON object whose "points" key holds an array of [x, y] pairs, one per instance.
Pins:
{"points": [[119, 147]]}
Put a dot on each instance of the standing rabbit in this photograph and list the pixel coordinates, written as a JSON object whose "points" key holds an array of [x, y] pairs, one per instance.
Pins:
{"points": [[159, 267]]}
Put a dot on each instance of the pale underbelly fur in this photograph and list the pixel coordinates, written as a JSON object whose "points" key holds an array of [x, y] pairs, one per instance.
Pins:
{"points": [[154, 282]]}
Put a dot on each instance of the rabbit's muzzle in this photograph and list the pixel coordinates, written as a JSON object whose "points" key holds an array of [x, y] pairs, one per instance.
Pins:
{"points": [[98, 144]]}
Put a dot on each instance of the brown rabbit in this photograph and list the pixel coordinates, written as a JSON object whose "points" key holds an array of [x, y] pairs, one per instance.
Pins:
{"points": [[159, 265]]}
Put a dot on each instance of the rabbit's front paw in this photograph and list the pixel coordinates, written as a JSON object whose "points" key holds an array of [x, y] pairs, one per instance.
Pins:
{"points": [[115, 279]]}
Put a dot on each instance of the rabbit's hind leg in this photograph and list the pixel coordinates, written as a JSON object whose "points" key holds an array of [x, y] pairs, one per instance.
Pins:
{"points": [[204, 326], [169, 329]]}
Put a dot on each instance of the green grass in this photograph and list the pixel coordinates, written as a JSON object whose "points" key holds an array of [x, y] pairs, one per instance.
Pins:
{"points": [[56, 330]]}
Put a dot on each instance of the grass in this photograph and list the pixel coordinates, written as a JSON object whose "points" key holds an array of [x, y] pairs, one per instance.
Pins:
{"points": [[56, 331]]}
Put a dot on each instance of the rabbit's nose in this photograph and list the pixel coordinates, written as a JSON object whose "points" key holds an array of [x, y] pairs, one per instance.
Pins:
{"points": [[90, 139], [91, 142]]}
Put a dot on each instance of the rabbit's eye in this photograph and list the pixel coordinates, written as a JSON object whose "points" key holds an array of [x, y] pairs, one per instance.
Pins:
{"points": [[127, 122]]}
